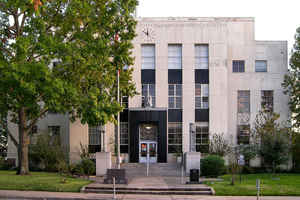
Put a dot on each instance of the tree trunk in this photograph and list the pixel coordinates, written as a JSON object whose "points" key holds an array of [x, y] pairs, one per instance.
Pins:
{"points": [[23, 144]]}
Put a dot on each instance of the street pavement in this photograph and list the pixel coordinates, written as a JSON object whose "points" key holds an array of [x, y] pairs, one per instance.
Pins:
{"points": [[35, 195]]}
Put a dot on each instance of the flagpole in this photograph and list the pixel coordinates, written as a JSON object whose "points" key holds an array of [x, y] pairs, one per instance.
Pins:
{"points": [[118, 126]]}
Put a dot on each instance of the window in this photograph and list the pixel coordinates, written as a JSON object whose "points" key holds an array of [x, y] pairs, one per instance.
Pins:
{"points": [[34, 130], [243, 134], [238, 66], [201, 96], [201, 56], [175, 96], [175, 137], [202, 139], [124, 137], [267, 100], [243, 101], [94, 139], [125, 102], [174, 56], [261, 66], [148, 95], [148, 56], [54, 130]]}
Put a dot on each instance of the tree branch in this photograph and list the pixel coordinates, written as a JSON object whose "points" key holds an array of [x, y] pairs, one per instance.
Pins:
{"points": [[3, 49], [33, 122], [23, 22]]}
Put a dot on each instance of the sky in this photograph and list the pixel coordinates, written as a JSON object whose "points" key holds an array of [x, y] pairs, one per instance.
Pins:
{"points": [[274, 19]]}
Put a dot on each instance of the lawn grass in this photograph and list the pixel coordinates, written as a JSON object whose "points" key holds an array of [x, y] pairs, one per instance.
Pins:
{"points": [[280, 184], [40, 181]]}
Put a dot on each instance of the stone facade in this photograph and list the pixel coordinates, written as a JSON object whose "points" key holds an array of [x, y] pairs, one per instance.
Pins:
{"points": [[228, 39]]}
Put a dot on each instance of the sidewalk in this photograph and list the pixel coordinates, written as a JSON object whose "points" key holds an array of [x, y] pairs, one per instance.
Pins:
{"points": [[11, 194]]}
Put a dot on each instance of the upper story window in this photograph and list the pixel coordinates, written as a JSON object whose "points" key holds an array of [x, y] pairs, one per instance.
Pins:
{"points": [[243, 101], [238, 66], [260, 66], [201, 96], [124, 102], [175, 96], [148, 56], [267, 100], [174, 56], [201, 56], [148, 95]]}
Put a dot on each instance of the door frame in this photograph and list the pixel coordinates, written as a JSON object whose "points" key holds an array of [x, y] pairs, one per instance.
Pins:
{"points": [[152, 159]]}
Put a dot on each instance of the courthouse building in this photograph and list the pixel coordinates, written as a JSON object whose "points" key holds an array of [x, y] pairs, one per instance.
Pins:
{"points": [[207, 73]]}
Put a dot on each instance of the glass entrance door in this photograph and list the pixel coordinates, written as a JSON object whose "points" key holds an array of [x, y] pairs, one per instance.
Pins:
{"points": [[148, 150]]}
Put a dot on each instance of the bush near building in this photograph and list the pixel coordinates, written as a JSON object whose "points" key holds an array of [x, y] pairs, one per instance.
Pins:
{"points": [[212, 166]]}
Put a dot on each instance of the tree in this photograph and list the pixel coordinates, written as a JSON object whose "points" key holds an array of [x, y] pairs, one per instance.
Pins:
{"points": [[291, 82], [88, 40], [272, 139], [218, 145], [3, 138]]}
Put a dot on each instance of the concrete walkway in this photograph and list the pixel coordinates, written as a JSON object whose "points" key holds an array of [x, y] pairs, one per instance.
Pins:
{"points": [[11, 194]]}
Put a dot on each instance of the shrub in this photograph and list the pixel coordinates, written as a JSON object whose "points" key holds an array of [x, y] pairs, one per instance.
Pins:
{"points": [[88, 166], [5, 164], [46, 154], [84, 167], [212, 166]]}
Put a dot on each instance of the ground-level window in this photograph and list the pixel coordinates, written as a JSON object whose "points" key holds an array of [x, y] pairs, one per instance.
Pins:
{"points": [[202, 138], [243, 134], [267, 100], [94, 139], [124, 137], [174, 137], [54, 130]]}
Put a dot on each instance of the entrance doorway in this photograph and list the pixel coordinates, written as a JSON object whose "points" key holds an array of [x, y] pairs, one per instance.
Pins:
{"points": [[148, 143], [148, 150]]}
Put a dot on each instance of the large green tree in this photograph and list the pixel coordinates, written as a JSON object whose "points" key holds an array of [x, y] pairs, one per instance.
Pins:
{"points": [[89, 40], [292, 82], [272, 139]]}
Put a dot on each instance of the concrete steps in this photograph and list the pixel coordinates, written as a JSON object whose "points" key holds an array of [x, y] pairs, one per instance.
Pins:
{"points": [[153, 191], [155, 169]]}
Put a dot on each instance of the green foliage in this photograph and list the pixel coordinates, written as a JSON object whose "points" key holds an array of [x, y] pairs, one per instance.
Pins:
{"points": [[291, 82], [47, 154], [3, 137], [212, 166], [249, 151], [84, 167], [218, 145], [84, 151], [89, 40], [88, 166], [272, 139], [296, 152]]}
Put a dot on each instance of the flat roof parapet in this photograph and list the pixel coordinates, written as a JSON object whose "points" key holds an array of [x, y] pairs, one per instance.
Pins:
{"points": [[198, 19]]}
